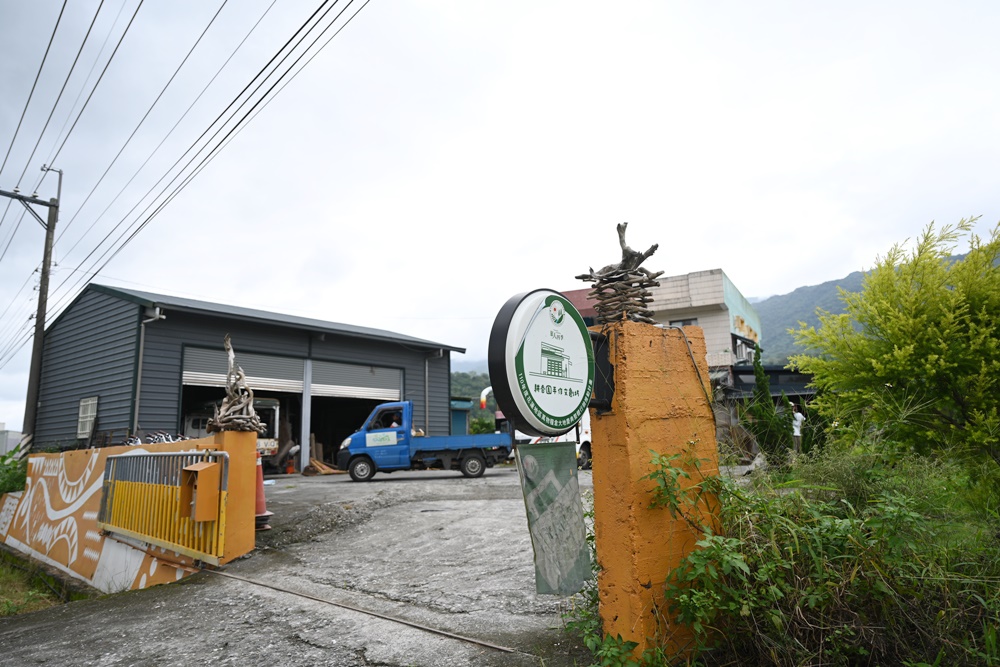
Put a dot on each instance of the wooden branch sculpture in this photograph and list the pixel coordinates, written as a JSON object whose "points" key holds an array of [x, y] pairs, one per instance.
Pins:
{"points": [[236, 413], [622, 290]]}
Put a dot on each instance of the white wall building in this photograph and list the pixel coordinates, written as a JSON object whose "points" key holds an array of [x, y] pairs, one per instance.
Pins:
{"points": [[707, 299], [8, 439]]}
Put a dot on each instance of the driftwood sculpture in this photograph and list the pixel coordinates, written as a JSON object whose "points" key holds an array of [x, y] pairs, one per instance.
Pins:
{"points": [[622, 290], [236, 413]]}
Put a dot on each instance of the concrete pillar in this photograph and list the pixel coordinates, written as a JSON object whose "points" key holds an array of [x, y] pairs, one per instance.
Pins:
{"points": [[660, 404]]}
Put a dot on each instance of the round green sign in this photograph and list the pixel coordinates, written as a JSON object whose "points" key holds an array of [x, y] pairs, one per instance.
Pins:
{"points": [[541, 362]]}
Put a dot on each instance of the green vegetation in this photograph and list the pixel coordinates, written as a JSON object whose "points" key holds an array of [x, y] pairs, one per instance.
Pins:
{"points": [[770, 424], [485, 424], [917, 351], [470, 385], [859, 560], [13, 472], [880, 546], [24, 588]]}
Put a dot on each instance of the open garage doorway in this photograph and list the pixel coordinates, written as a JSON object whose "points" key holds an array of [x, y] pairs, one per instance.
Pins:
{"points": [[335, 418], [280, 412]]}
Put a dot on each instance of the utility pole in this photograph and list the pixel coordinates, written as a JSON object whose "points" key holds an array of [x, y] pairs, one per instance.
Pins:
{"points": [[35, 372]]}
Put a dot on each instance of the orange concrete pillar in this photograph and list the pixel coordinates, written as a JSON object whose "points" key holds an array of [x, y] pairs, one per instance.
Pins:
{"points": [[241, 494], [660, 404]]}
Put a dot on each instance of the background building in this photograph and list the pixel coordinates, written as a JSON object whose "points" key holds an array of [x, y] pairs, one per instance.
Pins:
{"points": [[707, 299]]}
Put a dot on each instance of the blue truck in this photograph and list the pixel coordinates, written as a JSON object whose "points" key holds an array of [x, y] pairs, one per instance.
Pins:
{"points": [[387, 442]]}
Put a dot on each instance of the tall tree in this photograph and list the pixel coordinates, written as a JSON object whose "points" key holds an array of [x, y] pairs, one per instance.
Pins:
{"points": [[922, 337], [770, 426]]}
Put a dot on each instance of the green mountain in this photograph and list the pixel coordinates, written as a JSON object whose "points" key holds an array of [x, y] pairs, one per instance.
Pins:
{"points": [[780, 313], [470, 385]]}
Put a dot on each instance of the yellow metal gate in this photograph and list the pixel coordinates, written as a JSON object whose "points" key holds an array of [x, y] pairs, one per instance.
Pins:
{"points": [[172, 500]]}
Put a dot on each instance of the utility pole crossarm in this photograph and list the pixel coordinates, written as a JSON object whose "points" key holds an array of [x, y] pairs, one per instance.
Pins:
{"points": [[29, 200]]}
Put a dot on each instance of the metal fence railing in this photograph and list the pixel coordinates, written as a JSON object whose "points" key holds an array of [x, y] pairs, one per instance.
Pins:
{"points": [[172, 500]]}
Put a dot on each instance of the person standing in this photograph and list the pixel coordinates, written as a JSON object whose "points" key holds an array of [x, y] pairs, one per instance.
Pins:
{"points": [[797, 420]]}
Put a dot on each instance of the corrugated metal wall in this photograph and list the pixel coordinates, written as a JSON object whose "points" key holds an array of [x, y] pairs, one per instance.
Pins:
{"points": [[409, 360], [167, 339], [92, 351], [209, 368], [89, 351]]}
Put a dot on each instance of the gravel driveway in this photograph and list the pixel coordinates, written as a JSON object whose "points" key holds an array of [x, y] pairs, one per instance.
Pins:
{"points": [[431, 549]]}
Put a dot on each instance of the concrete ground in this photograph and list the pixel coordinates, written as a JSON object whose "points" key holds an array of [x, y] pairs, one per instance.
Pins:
{"points": [[430, 548]]}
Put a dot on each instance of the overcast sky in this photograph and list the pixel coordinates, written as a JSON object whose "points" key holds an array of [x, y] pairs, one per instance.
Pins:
{"points": [[438, 157]]}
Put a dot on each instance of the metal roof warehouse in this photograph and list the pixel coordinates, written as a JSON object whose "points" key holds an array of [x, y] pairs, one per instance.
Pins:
{"points": [[121, 361]]}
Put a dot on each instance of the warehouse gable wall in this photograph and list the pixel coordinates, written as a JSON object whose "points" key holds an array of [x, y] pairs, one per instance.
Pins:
{"points": [[163, 360], [162, 366], [90, 350]]}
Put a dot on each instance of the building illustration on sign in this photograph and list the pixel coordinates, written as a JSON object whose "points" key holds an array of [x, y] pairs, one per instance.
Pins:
{"points": [[554, 362]]}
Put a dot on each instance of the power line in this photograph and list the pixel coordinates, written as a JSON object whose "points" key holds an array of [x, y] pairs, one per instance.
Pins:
{"points": [[146, 115], [283, 79], [236, 128], [169, 133], [200, 137], [86, 81], [61, 91], [31, 94], [99, 79], [55, 105]]}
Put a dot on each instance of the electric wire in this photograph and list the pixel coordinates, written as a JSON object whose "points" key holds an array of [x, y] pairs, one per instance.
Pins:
{"points": [[54, 106], [99, 79], [236, 129], [12, 233], [146, 115], [61, 91], [193, 145], [251, 113], [32, 93], [214, 150], [86, 81], [10, 347], [168, 134]]}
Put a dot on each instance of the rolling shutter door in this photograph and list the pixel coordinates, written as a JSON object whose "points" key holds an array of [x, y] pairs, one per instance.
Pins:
{"points": [[208, 368], [353, 381]]}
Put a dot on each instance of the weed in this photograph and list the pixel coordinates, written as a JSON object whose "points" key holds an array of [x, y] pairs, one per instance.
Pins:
{"points": [[13, 471]]}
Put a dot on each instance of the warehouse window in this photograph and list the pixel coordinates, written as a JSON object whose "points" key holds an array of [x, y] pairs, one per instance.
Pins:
{"points": [[88, 413], [692, 322]]}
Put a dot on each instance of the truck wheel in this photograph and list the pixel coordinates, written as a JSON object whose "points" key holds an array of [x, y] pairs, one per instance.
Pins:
{"points": [[583, 460], [361, 470], [473, 465]]}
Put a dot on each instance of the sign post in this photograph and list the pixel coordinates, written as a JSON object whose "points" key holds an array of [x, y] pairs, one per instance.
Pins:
{"points": [[541, 364]]}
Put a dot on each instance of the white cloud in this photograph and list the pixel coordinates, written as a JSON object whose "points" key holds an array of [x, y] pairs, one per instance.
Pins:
{"points": [[442, 156]]}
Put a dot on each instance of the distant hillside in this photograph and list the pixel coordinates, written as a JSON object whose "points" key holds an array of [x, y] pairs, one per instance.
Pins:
{"points": [[470, 385], [780, 313]]}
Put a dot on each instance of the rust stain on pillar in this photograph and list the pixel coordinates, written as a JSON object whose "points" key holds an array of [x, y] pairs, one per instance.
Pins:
{"points": [[660, 405]]}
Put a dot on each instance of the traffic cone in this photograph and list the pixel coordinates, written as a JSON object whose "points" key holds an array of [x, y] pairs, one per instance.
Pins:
{"points": [[262, 515]]}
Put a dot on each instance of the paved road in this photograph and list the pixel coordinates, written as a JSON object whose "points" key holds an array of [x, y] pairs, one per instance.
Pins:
{"points": [[431, 548]]}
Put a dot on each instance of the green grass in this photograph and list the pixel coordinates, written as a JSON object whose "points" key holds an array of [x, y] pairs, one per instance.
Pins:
{"points": [[22, 591]]}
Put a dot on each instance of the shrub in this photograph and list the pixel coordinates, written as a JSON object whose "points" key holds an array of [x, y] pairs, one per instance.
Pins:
{"points": [[859, 560], [806, 577], [13, 471]]}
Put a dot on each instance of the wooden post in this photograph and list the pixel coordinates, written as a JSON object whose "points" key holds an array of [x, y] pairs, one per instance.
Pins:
{"points": [[660, 405]]}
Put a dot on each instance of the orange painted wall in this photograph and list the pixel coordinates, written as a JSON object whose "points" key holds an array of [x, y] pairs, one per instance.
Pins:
{"points": [[660, 404], [54, 520]]}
